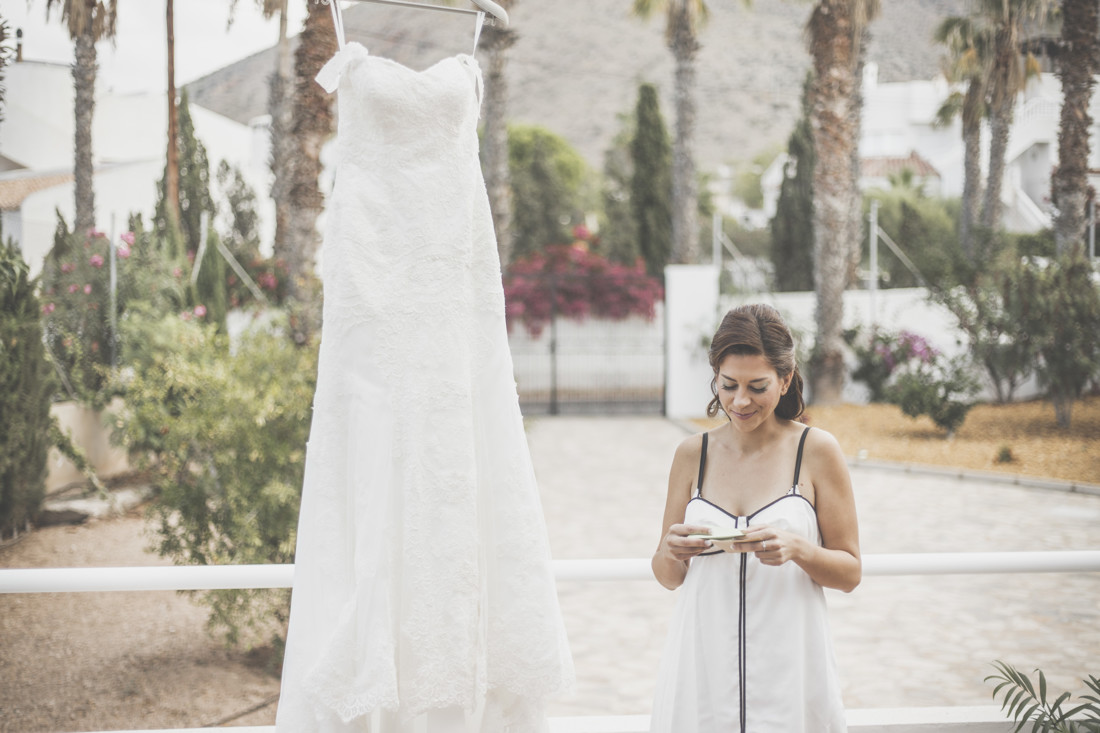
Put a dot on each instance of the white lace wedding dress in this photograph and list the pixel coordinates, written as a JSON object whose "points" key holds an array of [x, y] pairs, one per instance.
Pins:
{"points": [[424, 599]]}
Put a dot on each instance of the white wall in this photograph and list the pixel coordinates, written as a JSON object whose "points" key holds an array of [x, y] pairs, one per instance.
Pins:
{"points": [[693, 311], [129, 139]]}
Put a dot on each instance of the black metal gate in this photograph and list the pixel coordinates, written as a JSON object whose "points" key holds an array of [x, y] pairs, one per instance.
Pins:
{"points": [[591, 366]]}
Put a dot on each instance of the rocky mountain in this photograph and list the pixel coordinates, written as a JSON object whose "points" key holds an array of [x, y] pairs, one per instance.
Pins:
{"points": [[577, 65]]}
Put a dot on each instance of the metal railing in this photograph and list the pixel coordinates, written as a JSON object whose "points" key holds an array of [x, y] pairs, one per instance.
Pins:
{"points": [[214, 577], [944, 720]]}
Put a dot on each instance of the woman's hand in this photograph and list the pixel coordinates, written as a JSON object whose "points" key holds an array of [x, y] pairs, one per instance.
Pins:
{"points": [[772, 546], [678, 545]]}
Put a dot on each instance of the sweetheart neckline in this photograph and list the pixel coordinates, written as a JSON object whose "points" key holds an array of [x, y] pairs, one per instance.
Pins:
{"points": [[747, 517], [407, 69]]}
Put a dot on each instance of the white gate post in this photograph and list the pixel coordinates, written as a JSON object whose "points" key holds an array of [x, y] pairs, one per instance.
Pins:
{"points": [[691, 315]]}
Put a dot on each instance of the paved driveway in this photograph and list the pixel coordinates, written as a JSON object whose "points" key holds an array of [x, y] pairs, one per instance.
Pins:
{"points": [[900, 641]]}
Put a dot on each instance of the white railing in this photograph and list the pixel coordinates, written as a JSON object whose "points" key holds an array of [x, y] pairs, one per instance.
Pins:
{"points": [[943, 720], [212, 577]]}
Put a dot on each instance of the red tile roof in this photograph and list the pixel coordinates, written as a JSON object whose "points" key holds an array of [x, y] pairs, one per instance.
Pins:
{"points": [[885, 167], [13, 191]]}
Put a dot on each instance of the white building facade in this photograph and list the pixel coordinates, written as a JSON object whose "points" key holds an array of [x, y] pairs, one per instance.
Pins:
{"points": [[129, 140]]}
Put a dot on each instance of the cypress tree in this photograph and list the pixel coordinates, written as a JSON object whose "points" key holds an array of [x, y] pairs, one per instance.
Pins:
{"points": [[651, 183], [26, 387], [793, 225], [618, 230], [194, 190]]}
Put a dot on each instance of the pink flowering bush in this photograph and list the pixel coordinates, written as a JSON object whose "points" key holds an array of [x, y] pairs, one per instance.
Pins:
{"points": [[76, 311], [882, 353], [76, 301], [570, 281], [904, 369]]}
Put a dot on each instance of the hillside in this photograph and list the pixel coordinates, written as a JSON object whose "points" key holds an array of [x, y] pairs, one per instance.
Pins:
{"points": [[578, 63]]}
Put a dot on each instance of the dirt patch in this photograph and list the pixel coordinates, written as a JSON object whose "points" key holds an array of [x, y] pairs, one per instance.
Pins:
{"points": [[112, 661], [1021, 439]]}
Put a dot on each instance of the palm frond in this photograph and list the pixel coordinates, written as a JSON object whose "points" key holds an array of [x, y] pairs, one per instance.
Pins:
{"points": [[1025, 703]]}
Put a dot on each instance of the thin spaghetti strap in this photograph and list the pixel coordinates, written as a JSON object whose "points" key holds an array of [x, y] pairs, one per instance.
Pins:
{"points": [[798, 461], [702, 465]]}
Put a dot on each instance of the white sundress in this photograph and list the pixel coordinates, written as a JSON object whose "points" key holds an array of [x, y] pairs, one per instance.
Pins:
{"points": [[749, 648]]}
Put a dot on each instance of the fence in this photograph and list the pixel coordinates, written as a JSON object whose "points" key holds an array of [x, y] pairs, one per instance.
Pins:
{"points": [[943, 720], [592, 365]]}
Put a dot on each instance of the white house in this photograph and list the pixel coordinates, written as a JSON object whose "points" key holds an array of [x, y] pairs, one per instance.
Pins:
{"points": [[899, 131], [129, 139], [899, 121]]}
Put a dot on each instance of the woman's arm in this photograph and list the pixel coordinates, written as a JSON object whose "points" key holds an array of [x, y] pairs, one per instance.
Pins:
{"points": [[675, 550], [836, 563]]}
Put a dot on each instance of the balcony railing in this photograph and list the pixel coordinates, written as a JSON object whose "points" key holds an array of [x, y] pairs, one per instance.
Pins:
{"points": [[982, 719]]}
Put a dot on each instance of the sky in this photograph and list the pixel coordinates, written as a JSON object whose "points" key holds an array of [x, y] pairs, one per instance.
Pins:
{"points": [[137, 61]]}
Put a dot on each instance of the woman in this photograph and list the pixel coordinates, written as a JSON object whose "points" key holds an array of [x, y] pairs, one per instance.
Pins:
{"points": [[749, 648]]}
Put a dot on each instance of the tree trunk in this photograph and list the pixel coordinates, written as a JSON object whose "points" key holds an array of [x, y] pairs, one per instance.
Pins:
{"points": [[1077, 62], [1002, 109], [172, 166], [855, 123], [972, 165], [496, 42], [685, 226], [312, 125], [282, 159], [832, 49], [84, 75]]}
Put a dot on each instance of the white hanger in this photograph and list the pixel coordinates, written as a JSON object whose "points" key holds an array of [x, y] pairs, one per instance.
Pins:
{"points": [[487, 6]]}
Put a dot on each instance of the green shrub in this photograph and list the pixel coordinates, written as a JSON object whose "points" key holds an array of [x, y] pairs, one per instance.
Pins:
{"points": [[1059, 309], [943, 389], [550, 188], [223, 433], [26, 386]]}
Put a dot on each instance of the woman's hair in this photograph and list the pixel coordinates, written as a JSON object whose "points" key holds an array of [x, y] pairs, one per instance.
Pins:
{"points": [[758, 329]]}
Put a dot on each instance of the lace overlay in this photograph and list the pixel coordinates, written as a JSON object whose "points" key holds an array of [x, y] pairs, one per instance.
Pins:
{"points": [[423, 579]]}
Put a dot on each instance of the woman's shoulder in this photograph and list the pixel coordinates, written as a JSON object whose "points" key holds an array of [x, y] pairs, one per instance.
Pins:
{"points": [[691, 447], [823, 451], [818, 437]]}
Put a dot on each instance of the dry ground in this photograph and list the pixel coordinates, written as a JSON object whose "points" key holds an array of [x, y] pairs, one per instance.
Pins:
{"points": [[1022, 439], [110, 661], [1026, 433]]}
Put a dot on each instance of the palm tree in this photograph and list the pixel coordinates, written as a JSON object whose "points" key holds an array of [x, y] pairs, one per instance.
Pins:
{"points": [[683, 19], [967, 62], [172, 159], [1078, 59], [311, 126], [88, 21], [1008, 77], [836, 32], [496, 40]]}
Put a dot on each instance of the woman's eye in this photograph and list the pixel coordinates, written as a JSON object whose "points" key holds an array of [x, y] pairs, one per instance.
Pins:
{"points": [[758, 390]]}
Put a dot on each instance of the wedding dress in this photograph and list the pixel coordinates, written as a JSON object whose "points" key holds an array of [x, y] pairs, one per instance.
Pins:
{"points": [[424, 599]]}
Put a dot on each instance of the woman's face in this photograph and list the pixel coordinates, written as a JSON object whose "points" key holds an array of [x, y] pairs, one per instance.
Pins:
{"points": [[749, 389]]}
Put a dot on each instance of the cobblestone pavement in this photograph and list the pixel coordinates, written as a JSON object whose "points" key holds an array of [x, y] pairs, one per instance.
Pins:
{"points": [[901, 641]]}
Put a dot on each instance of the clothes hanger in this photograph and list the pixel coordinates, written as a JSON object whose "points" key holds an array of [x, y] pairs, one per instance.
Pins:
{"points": [[486, 6]]}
